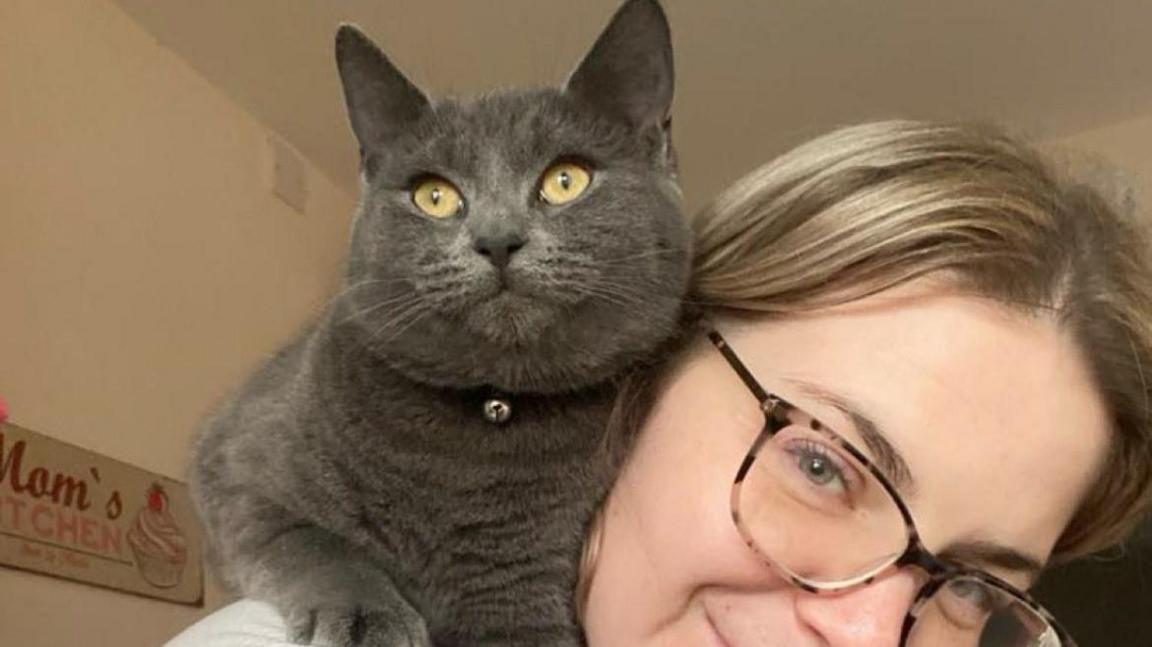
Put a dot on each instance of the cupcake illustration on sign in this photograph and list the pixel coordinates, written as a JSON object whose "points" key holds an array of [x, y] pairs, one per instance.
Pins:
{"points": [[159, 545]]}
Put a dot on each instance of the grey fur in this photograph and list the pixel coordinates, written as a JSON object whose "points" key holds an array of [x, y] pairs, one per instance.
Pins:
{"points": [[353, 481]]}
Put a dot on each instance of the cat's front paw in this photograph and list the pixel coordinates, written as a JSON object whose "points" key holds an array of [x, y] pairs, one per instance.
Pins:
{"points": [[357, 627]]}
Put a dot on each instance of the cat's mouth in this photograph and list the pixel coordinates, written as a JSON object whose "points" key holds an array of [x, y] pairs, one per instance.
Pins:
{"points": [[511, 319], [515, 307], [506, 284]]}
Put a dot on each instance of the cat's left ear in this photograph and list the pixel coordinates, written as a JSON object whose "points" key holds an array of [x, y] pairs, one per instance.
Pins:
{"points": [[628, 72]]}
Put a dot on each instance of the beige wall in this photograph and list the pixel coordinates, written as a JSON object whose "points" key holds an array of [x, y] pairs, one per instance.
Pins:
{"points": [[143, 268], [1127, 145]]}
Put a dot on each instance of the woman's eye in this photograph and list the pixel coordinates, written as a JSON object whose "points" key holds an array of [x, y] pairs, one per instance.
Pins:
{"points": [[972, 606], [437, 198], [564, 182], [975, 595], [819, 468]]}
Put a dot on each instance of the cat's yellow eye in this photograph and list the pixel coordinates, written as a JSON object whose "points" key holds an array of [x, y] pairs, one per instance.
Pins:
{"points": [[437, 198], [564, 182]]}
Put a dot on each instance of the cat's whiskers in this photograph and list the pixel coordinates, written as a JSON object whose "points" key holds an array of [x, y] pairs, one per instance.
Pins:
{"points": [[398, 301], [408, 312], [441, 269], [359, 286], [623, 294], [404, 321], [634, 257], [627, 301], [370, 282]]}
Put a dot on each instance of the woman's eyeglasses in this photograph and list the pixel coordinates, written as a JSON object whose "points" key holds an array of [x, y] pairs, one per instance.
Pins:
{"points": [[817, 510]]}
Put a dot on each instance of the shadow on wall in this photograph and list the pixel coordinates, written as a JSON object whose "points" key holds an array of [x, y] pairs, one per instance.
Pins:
{"points": [[1105, 601]]}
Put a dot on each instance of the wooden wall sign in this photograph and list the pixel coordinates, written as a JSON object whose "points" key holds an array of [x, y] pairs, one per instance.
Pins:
{"points": [[72, 513]]}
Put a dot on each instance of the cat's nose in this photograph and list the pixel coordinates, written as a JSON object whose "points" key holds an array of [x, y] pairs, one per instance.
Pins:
{"points": [[498, 247]]}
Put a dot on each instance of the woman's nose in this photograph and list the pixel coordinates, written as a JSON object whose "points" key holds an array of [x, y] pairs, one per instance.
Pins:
{"points": [[870, 616]]}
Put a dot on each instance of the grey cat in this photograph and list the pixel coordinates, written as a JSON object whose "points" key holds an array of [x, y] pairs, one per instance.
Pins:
{"points": [[420, 465]]}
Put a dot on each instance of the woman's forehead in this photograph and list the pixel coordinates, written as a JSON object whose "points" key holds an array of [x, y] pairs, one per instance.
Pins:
{"points": [[979, 400]]}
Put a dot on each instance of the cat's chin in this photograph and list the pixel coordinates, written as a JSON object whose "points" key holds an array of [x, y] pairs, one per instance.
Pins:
{"points": [[510, 319]]}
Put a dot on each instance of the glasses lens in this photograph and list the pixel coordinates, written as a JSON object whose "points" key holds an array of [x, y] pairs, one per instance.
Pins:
{"points": [[812, 509], [967, 612]]}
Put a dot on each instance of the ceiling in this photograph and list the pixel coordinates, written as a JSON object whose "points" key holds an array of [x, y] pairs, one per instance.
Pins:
{"points": [[753, 76]]}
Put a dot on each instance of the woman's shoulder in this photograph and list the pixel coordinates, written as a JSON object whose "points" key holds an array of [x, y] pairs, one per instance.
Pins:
{"points": [[246, 623]]}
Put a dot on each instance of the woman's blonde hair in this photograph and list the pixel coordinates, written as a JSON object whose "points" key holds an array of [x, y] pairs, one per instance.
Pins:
{"points": [[866, 208]]}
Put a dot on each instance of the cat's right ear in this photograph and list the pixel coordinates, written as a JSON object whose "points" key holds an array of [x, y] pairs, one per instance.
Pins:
{"points": [[381, 101], [628, 72]]}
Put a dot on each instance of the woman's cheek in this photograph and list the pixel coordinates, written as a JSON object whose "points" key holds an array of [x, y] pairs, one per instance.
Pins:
{"points": [[668, 533], [668, 536]]}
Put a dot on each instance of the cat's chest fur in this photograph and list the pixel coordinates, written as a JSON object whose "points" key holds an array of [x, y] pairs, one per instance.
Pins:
{"points": [[442, 492]]}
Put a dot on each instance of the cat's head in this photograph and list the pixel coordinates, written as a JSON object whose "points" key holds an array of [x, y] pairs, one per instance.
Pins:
{"points": [[530, 240]]}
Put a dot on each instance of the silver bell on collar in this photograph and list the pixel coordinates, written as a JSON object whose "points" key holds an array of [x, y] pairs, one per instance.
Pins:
{"points": [[497, 410]]}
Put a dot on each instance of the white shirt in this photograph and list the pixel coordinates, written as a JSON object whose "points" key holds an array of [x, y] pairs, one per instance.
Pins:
{"points": [[247, 623]]}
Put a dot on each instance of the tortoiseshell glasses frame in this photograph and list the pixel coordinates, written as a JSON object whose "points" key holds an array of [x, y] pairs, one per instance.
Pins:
{"points": [[780, 414]]}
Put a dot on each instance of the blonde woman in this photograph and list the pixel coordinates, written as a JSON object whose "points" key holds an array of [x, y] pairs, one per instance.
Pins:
{"points": [[915, 381], [919, 380]]}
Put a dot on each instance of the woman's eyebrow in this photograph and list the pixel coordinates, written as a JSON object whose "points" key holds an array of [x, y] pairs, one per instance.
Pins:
{"points": [[888, 459], [988, 555], [980, 554]]}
